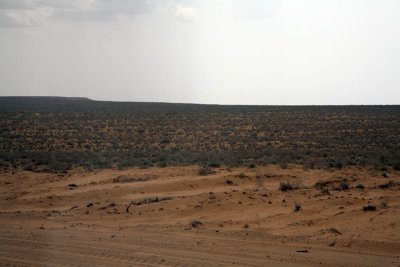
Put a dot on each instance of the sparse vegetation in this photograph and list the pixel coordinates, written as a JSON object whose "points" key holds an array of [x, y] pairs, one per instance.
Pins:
{"points": [[214, 164], [369, 207], [55, 135], [150, 200], [229, 182], [325, 191], [297, 206], [387, 185], [251, 166], [396, 166], [287, 186], [126, 179], [343, 185], [242, 175], [203, 171], [212, 196], [334, 231], [360, 186], [196, 223]]}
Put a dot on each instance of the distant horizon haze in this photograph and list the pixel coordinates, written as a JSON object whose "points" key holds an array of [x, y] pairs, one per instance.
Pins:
{"points": [[255, 52], [83, 98]]}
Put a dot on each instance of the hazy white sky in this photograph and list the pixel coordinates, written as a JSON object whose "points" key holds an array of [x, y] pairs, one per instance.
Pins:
{"points": [[203, 51]]}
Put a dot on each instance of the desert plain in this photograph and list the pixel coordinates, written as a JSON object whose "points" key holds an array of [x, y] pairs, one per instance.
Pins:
{"points": [[186, 216], [97, 183]]}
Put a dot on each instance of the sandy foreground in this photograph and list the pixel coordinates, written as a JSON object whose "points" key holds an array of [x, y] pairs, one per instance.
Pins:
{"points": [[175, 217]]}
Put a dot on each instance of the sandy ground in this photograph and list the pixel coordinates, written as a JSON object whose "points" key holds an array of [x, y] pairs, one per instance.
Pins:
{"points": [[173, 216]]}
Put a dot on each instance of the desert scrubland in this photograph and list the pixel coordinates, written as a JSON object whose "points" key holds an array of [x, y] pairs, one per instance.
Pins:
{"points": [[87, 183]]}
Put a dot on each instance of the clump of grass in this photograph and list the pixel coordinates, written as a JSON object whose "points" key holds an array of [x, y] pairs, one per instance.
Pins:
{"points": [[342, 186], [229, 182], [334, 230], [287, 186], [150, 200], [196, 223], [323, 187], [251, 166], [297, 206], [396, 166], [360, 186], [283, 165], [369, 207], [204, 171], [126, 179], [212, 196], [242, 175], [214, 164], [320, 185], [325, 191], [387, 185]]}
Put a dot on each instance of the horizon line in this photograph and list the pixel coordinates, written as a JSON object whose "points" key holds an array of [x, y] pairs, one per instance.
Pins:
{"points": [[84, 98]]}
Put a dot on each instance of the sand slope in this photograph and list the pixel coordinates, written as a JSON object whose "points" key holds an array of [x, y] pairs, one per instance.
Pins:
{"points": [[176, 217]]}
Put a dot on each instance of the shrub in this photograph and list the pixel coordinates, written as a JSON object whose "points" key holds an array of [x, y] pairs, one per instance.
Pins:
{"points": [[203, 171], [242, 175], [320, 185], [214, 165], [229, 182], [212, 196], [251, 166], [126, 179], [369, 207], [360, 186], [396, 166], [163, 164], [283, 165], [150, 200], [325, 191], [387, 185], [297, 206], [343, 185], [196, 223], [285, 186]]}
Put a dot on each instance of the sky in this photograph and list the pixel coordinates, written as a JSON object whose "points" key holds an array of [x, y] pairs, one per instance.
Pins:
{"points": [[263, 52]]}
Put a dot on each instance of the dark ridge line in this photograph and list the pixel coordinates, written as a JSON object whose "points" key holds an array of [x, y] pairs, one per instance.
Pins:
{"points": [[51, 98]]}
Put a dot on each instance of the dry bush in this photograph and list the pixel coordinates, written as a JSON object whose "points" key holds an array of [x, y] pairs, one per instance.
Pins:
{"points": [[360, 186], [150, 200], [204, 171], [387, 185], [126, 179], [369, 207], [287, 186], [196, 223], [297, 206], [343, 185]]}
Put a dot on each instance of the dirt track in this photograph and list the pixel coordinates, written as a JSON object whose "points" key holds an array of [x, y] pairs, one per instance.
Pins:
{"points": [[80, 219]]}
